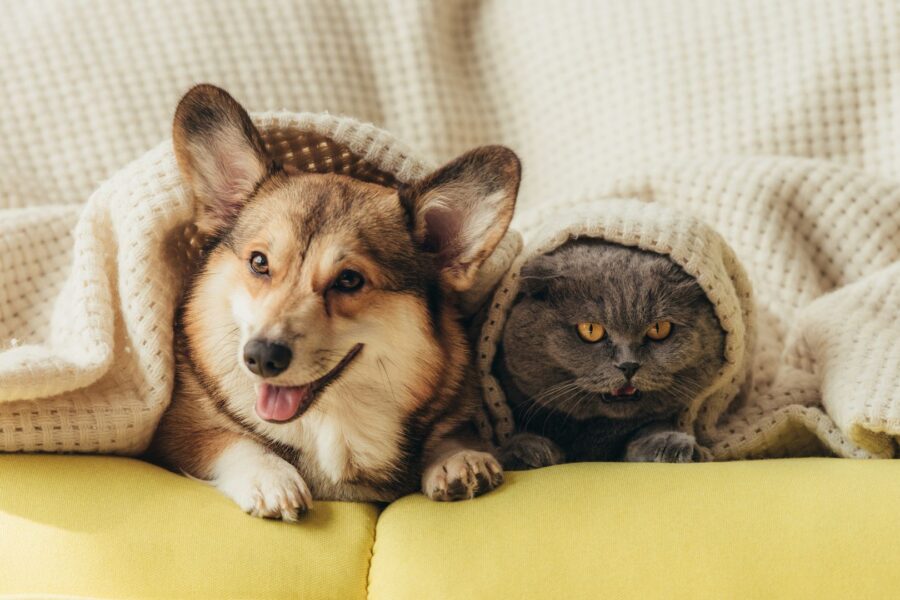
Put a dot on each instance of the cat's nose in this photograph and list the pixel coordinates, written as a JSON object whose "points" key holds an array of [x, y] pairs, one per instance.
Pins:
{"points": [[265, 358], [628, 368]]}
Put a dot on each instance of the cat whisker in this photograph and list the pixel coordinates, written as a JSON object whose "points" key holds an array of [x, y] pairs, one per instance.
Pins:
{"points": [[576, 404], [554, 388], [575, 409], [555, 391], [550, 394], [691, 387], [685, 391], [563, 401], [559, 391], [555, 397], [572, 401]]}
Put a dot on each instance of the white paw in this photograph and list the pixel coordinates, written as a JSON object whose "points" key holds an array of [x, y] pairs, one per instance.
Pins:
{"points": [[462, 475], [261, 483]]}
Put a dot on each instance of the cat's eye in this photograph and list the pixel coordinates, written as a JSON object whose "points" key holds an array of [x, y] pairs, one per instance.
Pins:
{"points": [[259, 264], [591, 332], [659, 330]]}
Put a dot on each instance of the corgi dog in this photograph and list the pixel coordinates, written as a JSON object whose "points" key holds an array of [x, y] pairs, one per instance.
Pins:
{"points": [[320, 352]]}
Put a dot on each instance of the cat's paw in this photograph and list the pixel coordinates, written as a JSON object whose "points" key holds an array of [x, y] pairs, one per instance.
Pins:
{"points": [[264, 485], [664, 446], [462, 475], [526, 451]]}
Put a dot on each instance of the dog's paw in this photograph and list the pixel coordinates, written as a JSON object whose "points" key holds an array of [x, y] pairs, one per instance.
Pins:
{"points": [[526, 451], [664, 446], [264, 485], [462, 475]]}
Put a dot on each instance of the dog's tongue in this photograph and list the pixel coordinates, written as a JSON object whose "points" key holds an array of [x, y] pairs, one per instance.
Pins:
{"points": [[280, 404], [625, 391]]}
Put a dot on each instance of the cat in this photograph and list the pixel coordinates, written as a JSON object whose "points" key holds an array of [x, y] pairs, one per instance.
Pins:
{"points": [[604, 346]]}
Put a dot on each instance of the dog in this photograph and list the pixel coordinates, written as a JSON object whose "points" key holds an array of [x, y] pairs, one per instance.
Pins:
{"points": [[320, 351]]}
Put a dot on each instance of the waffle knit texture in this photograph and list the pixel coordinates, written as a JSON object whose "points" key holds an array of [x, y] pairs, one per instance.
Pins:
{"points": [[773, 121], [768, 398]]}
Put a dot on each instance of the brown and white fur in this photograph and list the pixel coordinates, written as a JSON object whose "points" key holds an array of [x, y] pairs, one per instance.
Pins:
{"points": [[394, 411]]}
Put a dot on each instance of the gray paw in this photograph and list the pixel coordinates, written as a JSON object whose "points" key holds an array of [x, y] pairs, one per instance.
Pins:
{"points": [[526, 451], [663, 446]]}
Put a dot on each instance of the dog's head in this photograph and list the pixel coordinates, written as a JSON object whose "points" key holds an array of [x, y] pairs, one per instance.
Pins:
{"points": [[321, 287]]}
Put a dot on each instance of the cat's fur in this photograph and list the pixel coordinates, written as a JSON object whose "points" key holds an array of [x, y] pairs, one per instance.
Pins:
{"points": [[559, 385]]}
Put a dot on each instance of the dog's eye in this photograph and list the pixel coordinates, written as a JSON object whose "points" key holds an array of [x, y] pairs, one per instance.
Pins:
{"points": [[348, 281], [259, 264]]}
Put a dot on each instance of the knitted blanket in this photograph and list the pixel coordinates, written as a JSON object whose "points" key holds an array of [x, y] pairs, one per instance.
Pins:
{"points": [[812, 362], [90, 366], [734, 91]]}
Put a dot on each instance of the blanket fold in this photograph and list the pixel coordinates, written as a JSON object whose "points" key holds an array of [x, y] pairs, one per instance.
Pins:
{"points": [[813, 362], [89, 295], [86, 358]]}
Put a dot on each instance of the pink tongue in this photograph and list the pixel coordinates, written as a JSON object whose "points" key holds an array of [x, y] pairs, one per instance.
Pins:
{"points": [[625, 391], [280, 403]]}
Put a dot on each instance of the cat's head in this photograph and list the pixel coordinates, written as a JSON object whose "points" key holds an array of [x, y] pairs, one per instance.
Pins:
{"points": [[606, 330]]}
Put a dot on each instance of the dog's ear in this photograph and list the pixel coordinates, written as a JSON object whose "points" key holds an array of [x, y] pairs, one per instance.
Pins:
{"points": [[460, 212], [220, 154]]}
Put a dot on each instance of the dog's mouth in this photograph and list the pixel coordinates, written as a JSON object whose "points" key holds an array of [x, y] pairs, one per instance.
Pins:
{"points": [[283, 403], [627, 393]]}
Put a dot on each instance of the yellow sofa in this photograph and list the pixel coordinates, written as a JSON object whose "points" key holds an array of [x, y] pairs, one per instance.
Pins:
{"points": [[100, 527]]}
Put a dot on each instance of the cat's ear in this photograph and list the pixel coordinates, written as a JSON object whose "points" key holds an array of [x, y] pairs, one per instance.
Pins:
{"points": [[537, 274], [220, 154], [460, 212]]}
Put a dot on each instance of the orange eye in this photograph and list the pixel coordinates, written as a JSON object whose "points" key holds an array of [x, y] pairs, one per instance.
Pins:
{"points": [[659, 330], [591, 332]]}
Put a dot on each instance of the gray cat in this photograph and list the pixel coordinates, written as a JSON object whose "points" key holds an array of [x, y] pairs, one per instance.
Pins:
{"points": [[602, 349]]}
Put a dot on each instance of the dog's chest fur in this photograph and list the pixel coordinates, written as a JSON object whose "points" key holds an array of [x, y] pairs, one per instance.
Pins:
{"points": [[356, 453], [347, 447]]}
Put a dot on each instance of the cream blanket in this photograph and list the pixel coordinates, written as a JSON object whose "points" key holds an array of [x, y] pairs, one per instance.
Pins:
{"points": [[92, 367], [812, 361], [583, 91]]}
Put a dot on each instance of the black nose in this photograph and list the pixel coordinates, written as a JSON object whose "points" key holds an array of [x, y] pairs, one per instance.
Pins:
{"points": [[629, 368], [265, 358]]}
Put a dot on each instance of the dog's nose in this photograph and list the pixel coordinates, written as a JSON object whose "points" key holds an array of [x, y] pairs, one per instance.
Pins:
{"points": [[629, 368], [265, 358]]}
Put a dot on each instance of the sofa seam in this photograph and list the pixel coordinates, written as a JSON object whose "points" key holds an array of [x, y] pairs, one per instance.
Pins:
{"points": [[372, 553]]}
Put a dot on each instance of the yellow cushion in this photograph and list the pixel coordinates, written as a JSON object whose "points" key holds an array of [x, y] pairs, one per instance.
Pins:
{"points": [[120, 528], [811, 528]]}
